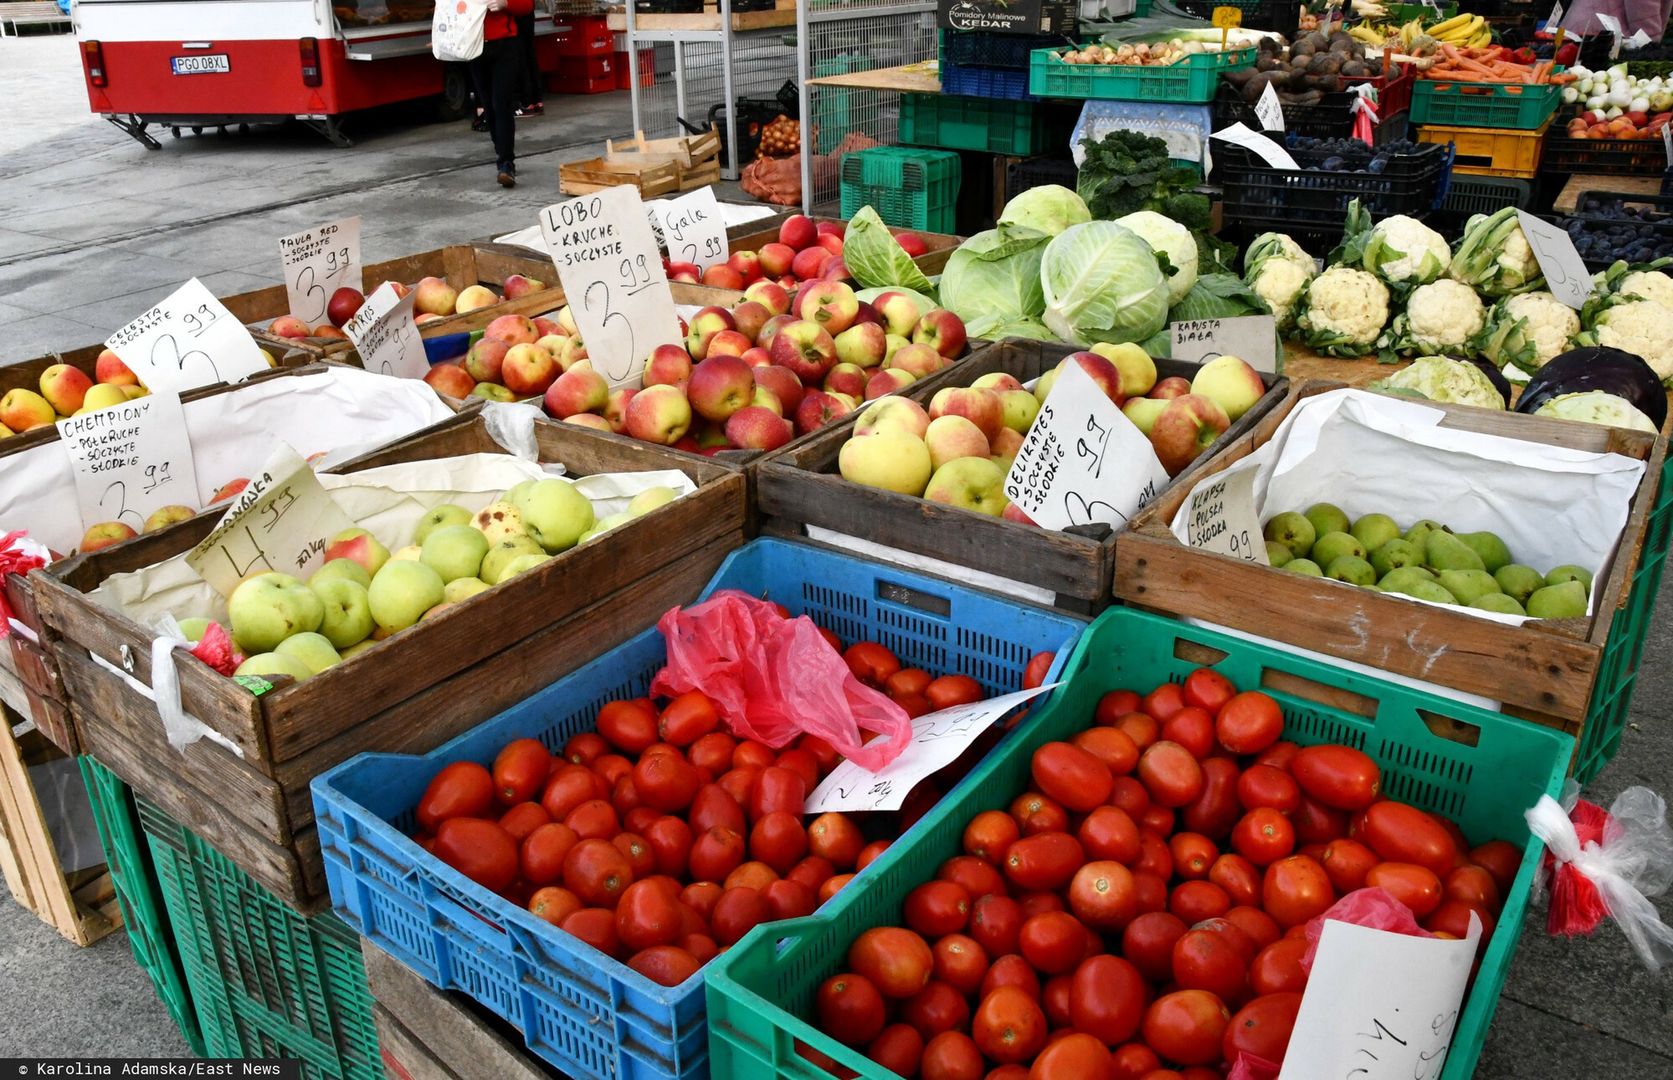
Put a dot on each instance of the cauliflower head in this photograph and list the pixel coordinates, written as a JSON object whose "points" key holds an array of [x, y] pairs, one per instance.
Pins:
{"points": [[1280, 283], [1597, 407], [1494, 257], [1643, 327], [1442, 316], [1648, 285], [1441, 378], [1343, 312], [1404, 251], [1526, 330], [1272, 244]]}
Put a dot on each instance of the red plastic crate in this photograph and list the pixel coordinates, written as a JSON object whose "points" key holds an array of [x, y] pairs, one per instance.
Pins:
{"points": [[647, 69], [584, 37]]}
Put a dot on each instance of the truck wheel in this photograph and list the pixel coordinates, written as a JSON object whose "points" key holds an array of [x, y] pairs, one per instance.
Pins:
{"points": [[455, 102]]}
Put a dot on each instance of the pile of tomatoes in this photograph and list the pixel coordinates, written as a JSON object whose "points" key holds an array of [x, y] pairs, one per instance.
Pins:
{"points": [[659, 838], [1140, 912]]}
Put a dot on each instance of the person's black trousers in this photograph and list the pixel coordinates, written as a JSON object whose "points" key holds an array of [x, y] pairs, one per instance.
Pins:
{"points": [[497, 74], [530, 91]]}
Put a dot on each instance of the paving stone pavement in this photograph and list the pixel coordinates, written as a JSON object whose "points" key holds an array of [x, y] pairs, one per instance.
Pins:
{"points": [[96, 228]]}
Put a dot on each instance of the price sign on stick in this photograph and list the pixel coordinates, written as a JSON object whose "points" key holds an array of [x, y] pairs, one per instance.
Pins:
{"points": [[1082, 461], [317, 263], [611, 270], [387, 337], [1252, 338], [694, 229], [130, 459], [1565, 271], [187, 341], [281, 521], [1220, 516]]}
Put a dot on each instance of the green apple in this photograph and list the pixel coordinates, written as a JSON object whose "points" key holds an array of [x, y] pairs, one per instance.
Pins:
{"points": [[888, 458], [1143, 411], [521, 563], [554, 512], [348, 610], [454, 551], [193, 629], [344, 570], [499, 520], [410, 553], [312, 649], [272, 663], [502, 554], [356, 650], [970, 483], [269, 608], [650, 499], [401, 592], [1018, 409], [445, 514], [463, 589]]}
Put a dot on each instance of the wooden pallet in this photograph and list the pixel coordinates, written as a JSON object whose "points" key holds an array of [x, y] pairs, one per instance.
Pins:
{"points": [[80, 905]]}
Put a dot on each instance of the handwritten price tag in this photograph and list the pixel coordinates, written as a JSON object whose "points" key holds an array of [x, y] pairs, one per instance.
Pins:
{"points": [[387, 337], [130, 459], [1565, 271], [1556, 16], [281, 521], [1220, 516], [611, 270], [317, 263], [1259, 145], [187, 341], [938, 738], [1082, 461], [1613, 25], [1251, 338], [1269, 111], [694, 229], [1227, 18]]}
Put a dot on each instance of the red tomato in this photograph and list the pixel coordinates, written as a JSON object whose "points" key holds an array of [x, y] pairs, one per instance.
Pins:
{"points": [[752, 755], [1036, 903], [849, 1008], [1108, 833], [1009, 1026], [871, 663], [1225, 927], [1155, 857], [778, 840], [701, 897], [1107, 997], [667, 781], [740, 782], [1152, 891], [585, 747], [1206, 688], [907, 681], [1195, 901], [554, 904], [594, 819], [960, 962], [1148, 942], [1192, 854], [1316, 823], [523, 819], [1113, 747], [750, 875], [1347, 862], [638, 852], [596, 927], [833, 885], [1186, 1026], [1134, 1061], [1141, 728], [897, 961], [1401, 833], [647, 916], [899, 1048], [936, 1008], [688, 718], [1278, 755], [713, 752], [1205, 960], [640, 819], [1452, 918], [1045, 861], [1337, 776], [737, 912], [1009, 970], [777, 789], [1101, 895], [1263, 836], [978, 876], [1163, 702], [1249, 723], [1264, 785], [1500, 858], [950, 690], [1216, 810], [1073, 1057], [629, 726], [1035, 813], [542, 853], [625, 797], [670, 840], [520, 771], [1071, 776], [1157, 820], [1472, 885], [1192, 728], [990, 834], [1170, 773], [835, 837], [803, 764], [479, 849], [1277, 967], [713, 805], [715, 853], [597, 872], [812, 872], [1126, 793], [1038, 667], [951, 1055], [1259, 927], [1415, 886], [1262, 1027], [462, 789], [1113, 706], [789, 899], [995, 922], [936, 908], [1238, 877], [1296, 889]]}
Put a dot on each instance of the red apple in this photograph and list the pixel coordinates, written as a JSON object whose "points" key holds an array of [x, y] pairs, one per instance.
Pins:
{"points": [[684, 271], [911, 243], [818, 409], [838, 229], [285, 326], [517, 285], [706, 324], [729, 343], [797, 232], [1013, 512], [659, 414], [775, 259], [750, 316], [1104, 373], [831, 242], [916, 360], [944, 332], [980, 406], [770, 328], [1184, 429], [782, 383], [721, 276], [757, 357], [528, 370], [720, 386], [756, 428], [513, 330], [548, 327], [450, 380], [831, 305], [1171, 387], [615, 409], [578, 390], [746, 264], [834, 270], [888, 381], [770, 295], [342, 305], [847, 379], [867, 314], [809, 263], [806, 349], [485, 359], [668, 365], [229, 489]]}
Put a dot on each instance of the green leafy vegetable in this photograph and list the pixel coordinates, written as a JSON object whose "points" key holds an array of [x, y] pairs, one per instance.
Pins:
{"points": [[1102, 283], [1126, 171], [875, 257], [1049, 208], [994, 277]]}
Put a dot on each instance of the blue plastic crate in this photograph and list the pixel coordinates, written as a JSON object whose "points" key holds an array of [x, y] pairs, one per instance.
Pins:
{"points": [[584, 1012], [985, 82]]}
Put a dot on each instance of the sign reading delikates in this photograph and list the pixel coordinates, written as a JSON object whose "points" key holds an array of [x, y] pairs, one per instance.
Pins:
{"points": [[1015, 17]]}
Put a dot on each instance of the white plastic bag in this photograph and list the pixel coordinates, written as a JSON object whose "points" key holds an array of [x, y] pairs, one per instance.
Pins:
{"points": [[456, 29]]}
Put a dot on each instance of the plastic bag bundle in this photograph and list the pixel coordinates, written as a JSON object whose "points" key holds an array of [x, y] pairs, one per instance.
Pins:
{"points": [[18, 555]]}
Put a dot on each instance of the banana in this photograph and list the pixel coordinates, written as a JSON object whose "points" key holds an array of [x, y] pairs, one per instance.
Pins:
{"points": [[1439, 30]]}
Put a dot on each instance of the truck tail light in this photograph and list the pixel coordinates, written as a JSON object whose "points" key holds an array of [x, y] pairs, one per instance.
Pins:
{"points": [[310, 61], [95, 63]]}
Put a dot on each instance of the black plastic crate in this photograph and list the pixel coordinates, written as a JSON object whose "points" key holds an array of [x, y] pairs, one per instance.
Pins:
{"points": [[1284, 200], [1468, 195], [668, 7], [1652, 225], [1612, 157], [981, 48], [1331, 118], [1038, 172]]}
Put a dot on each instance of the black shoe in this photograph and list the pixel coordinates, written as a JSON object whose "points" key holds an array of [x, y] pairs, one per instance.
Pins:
{"points": [[479, 124], [508, 178]]}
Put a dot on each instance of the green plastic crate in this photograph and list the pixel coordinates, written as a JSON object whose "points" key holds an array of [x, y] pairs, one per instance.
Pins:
{"points": [[1484, 105], [134, 878], [759, 991], [1404, 13], [973, 123], [1193, 81], [910, 188], [267, 982]]}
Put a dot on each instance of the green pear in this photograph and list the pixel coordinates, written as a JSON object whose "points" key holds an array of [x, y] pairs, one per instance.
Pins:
{"points": [[1432, 591], [521, 563], [501, 555], [454, 551], [445, 514], [1351, 569], [1419, 532], [272, 663], [269, 608], [554, 512], [193, 629], [1393, 555], [1293, 531], [650, 499], [1327, 518], [1277, 554], [1564, 601], [1403, 579], [312, 649], [348, 610], [1570, 572], [1518, 581], [460, 589], [1498, 601], [343, 569], [401, 592], [1444, 551], [1331, 546], [1489, 547], [1468, 585], [1375, 530], [1304, 567]]}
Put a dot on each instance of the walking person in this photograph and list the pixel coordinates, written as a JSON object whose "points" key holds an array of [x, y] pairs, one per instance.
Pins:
{"points": [[531, 96], [498, 74]]}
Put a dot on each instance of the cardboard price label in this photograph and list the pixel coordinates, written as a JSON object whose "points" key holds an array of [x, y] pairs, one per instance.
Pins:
{"points": [[1565, 271], [1220, 516], [281, 522], [1082, 461], [611, 270], [1251, 338], [317, 263], [387, 337], [694, 229], [1261, 146], [1556, 16], [131, 459], [1227, 18], [1269, 110], [187, 341]]}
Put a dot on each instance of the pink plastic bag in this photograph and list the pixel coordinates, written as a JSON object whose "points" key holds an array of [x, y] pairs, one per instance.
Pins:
{"points": [[773, 678], [1249, 1067], [1371, 907]]}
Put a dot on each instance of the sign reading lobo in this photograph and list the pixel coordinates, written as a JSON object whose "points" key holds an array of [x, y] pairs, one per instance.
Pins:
{"points": [[187, 341], [611, 269], [130, 460]]}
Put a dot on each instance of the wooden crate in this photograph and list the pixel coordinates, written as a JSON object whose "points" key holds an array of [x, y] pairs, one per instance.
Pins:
{"points": [[426, 685], [696, 158], [80, 905], [430, 1034], [596, 174], [1542, 671], [931, 262], [800, 487]]}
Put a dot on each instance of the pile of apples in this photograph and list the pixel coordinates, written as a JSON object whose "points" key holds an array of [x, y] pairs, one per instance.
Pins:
{"points": [[749, 377], [659, 838], [435, 299], [806, 250], [1594, 124], [959, 450], [68, 391]]}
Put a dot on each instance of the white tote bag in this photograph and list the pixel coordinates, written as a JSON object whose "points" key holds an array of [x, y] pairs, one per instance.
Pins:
{"points": [[456, 29]]}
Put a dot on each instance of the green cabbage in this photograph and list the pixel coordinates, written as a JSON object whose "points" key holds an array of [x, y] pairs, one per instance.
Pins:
{"points": [[1171, 240], [1214, 296], [1102, 283], [926, 301], [994, 277], [875, 257], [998, 330], [1050, 208]]}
